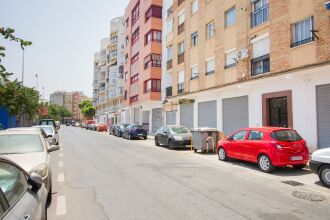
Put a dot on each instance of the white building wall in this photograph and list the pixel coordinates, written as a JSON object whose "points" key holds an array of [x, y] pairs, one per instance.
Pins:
{"points": [[302, 84]]}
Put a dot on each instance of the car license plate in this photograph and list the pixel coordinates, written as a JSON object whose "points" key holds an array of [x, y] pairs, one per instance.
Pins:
{"points": [[297, 158], [140, 134]]}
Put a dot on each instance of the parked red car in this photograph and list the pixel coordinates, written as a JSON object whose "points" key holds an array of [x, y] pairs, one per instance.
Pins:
{"points": [[101, 127], [270, 147]]}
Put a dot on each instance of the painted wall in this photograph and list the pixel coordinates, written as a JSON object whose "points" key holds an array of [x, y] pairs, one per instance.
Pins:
{"points": [[6, 120]]}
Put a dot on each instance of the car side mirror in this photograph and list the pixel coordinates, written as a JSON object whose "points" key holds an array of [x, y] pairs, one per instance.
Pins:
{"points": [[35, 181], [49, 136], [52, 148]]}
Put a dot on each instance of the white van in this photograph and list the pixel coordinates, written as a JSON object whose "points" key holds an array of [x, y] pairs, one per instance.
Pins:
{"points": [[320, 164]]}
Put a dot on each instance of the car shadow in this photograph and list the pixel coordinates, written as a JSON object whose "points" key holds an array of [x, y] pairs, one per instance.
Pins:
{"points": [[279, 171], [175, 149]]}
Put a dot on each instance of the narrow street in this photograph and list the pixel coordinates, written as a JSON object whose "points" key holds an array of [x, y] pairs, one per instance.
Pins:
{"points": [[98, 176]]}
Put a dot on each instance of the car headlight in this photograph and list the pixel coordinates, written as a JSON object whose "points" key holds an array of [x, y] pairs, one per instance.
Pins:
{"points": [[41, 169], [178, 138]]}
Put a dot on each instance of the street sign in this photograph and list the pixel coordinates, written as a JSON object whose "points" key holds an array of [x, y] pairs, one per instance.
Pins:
{"points": [[186, 101]]}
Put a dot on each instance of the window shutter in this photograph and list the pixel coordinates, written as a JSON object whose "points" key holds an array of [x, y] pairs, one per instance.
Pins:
{"points": [[260, 48], [181, 76]]}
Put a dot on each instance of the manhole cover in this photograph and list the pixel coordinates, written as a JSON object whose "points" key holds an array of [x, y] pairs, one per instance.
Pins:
{"points": [[308, 196], [292, 183]]}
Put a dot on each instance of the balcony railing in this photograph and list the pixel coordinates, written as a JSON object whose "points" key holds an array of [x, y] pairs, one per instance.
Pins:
{"points": [[180, 88], [180, 58], [181, 28], [260, 65], [259, 16], [169, 64], [169, 91]]}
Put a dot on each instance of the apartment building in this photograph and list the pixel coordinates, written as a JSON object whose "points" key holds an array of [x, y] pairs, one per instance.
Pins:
{"points": [[108, 75], [143, 61], [233, 64], [69, 100]]}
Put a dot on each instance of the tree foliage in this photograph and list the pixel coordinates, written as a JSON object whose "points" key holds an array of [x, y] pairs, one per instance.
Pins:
{"points": [[87, 108], [8, 34], [55, 112], [19, 100]]}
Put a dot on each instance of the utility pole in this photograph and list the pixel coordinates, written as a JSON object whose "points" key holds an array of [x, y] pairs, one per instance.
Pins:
{"points": [[23, 67]]}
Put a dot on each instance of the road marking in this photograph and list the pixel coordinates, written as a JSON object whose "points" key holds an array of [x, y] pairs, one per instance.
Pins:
{"points": [[60, 177], [60, 163], [61, 205], [61, 154]]}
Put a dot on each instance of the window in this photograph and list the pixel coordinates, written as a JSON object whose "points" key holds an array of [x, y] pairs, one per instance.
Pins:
{"points": [[152, 85], [181, 82], [125, 95], [154, 36], [260, 12], [125, 76], [135, 36], [136, 13], [230, 17], [239, 136], [181, 19], [170, 11], [169, 26], [170, 53], [210, 66], [127, 23], [194, 39], [134, 58], [194, 72], [260, 56], [126, 41], [134, 98], [302, 32], [181, 47], [230, 59], [194, 6], [255, 135], [153, 60], [154, 11], [210, 30], [286, 135], [134, 79], [13, 182]]}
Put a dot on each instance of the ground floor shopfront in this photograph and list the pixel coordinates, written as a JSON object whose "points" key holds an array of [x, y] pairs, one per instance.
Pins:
{"points": [[299, 99], [149, 114]]}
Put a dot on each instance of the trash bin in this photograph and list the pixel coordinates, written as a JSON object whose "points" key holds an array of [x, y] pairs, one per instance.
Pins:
{"points": [[204, 139]]}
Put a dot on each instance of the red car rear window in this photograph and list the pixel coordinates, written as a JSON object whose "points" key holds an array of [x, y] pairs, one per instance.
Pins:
{"points": [[286, 135]]}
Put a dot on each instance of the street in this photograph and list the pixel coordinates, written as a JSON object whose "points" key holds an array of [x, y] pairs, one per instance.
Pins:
{"points": [[97, 176]]}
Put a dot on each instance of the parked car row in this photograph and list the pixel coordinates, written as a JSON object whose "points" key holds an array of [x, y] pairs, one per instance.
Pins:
{"points": [[127, 131], [25, 170]]}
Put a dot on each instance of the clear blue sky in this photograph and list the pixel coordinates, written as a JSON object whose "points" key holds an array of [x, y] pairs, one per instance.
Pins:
{"points": [[65, 35]]}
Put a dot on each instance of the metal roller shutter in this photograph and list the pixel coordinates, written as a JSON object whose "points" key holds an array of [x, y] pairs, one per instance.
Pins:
{"points": [[187, 115], [235, 113], [156, 119], [207, 114], [171, 118], [323, 115]]}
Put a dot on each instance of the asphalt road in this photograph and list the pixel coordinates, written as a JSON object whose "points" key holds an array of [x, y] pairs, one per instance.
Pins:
{"points": [[97, 176]]}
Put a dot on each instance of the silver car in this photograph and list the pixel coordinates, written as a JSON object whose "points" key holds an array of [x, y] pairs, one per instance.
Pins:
{"points": [[22, 195], [29, 148], [52, 134]]}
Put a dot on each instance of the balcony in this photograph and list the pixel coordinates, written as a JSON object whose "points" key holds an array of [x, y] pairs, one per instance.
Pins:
{"points": [[181, 28], [169, 64], [180, 88], [180, 58], [168, 92], [114, 41], [259, 16], [260, 65]]}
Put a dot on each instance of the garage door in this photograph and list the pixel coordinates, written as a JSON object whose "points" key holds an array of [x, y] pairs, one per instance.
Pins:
{"points": [[207, 114], [323, 115], [171, 118], [187, 115], [156, 119], [235, 113]]}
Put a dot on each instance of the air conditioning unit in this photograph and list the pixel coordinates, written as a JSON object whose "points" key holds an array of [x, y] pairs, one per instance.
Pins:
{"points": [[243, 54]]}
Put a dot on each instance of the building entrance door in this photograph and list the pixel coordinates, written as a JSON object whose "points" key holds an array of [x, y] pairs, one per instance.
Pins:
{"points": [[278, 112]]}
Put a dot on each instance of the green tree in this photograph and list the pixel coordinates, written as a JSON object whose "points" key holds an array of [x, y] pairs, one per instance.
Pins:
{"points": [[87, 108], [8, 34]]}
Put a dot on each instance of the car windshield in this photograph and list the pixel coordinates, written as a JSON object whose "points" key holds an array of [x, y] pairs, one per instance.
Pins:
{"points": [[48, 130], [20, 144], [137, 127], [179, 129], [47, 123], [286, 135]]}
